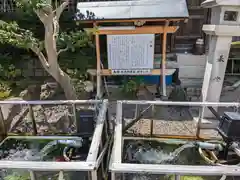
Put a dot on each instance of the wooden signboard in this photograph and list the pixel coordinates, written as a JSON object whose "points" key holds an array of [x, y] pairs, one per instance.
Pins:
{"points": [[130, 52]]}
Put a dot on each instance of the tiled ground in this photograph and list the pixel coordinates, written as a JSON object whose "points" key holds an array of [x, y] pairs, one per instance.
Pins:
{"points": [[167, 120]]}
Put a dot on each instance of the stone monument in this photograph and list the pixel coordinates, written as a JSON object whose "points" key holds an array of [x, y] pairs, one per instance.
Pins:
{"points": [[225, 21]]}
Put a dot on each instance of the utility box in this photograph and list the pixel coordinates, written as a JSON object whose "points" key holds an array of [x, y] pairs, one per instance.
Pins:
{"points": [[229, 126], [85, 122]]}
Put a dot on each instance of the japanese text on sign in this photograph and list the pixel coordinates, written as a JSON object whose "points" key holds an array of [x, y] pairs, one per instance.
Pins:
{"points": [[130, 51], [131, 72]]}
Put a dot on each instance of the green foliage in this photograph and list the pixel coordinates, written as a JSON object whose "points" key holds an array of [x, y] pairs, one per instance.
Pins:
{"points": [[73, 40], [28, 5], [25, 175], [80, 60], [132, 86], [10, 72], [5, 91], [18, 176], [11, 33], [22, 30]]}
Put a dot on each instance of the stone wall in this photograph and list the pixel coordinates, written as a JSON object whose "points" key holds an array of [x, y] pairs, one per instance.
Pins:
{"points": [[33, 68]]}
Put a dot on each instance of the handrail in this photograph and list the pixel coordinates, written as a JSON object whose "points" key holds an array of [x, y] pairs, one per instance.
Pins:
{"points": [[181, 103], [50, 102]]}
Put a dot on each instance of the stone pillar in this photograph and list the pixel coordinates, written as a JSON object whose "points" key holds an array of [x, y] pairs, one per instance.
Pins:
{"points": [[215, 70], [225, 19]]}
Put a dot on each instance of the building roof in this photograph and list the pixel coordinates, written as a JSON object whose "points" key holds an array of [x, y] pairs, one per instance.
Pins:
{"points": [[212, 3], [141, 9]]}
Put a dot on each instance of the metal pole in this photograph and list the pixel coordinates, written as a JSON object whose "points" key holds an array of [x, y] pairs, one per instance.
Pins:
{"points": [[118, 142], [163, 63], [75, 116], [151, 121], [94, 175], [177, 177], [181, 103], [98, 55], [47, 165], [232, 170], [199, 122], [49, 102], [2, 124], [32, 175], [113, 177], [61, 175], [96, 139]]}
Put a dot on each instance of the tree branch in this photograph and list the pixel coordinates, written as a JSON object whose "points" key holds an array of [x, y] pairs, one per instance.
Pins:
{"points": [[41, 15], [55, 27], [41, 57], [61, 8], [62, 50]]}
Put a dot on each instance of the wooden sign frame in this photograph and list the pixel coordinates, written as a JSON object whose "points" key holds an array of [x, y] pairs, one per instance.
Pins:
{"points": [[137, 30]]}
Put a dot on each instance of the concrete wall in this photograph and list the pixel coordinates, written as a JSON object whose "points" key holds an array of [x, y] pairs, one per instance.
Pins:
{"points": [[191, 69]]}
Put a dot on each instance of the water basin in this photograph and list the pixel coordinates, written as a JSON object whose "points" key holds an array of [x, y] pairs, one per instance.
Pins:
{"points": [[37, 148], [28, 148], [162, 151]]}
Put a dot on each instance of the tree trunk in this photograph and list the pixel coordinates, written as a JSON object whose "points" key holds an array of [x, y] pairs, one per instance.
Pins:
{"points": [[54, 69], [68, 88], [64, 81], [50, 62]]}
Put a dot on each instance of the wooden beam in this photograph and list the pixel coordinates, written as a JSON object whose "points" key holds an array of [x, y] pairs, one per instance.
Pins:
{"points": [[98, 64], [139, 30], [132, 20], [163, 62]]}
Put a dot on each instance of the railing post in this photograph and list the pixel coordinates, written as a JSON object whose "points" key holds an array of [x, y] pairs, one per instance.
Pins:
{"points": [[2, 124], [151, 121], [32, 175], [177, 177], [75, 114], [94, 175], [31, 116], [201, 111], [113, 177]]}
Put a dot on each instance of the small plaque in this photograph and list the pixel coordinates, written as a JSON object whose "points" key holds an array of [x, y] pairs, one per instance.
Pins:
{"points": [[131, 71]]}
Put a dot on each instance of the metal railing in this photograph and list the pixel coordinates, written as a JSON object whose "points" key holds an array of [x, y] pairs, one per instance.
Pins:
{"points": [[95, 155], [118, 166]]}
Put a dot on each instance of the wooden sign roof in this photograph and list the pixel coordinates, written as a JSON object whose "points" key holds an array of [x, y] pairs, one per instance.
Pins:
{"points": [[132, 10]]}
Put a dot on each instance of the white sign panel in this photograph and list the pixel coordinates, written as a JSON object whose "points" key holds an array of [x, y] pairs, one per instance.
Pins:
{"points": [[130, 51]]}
